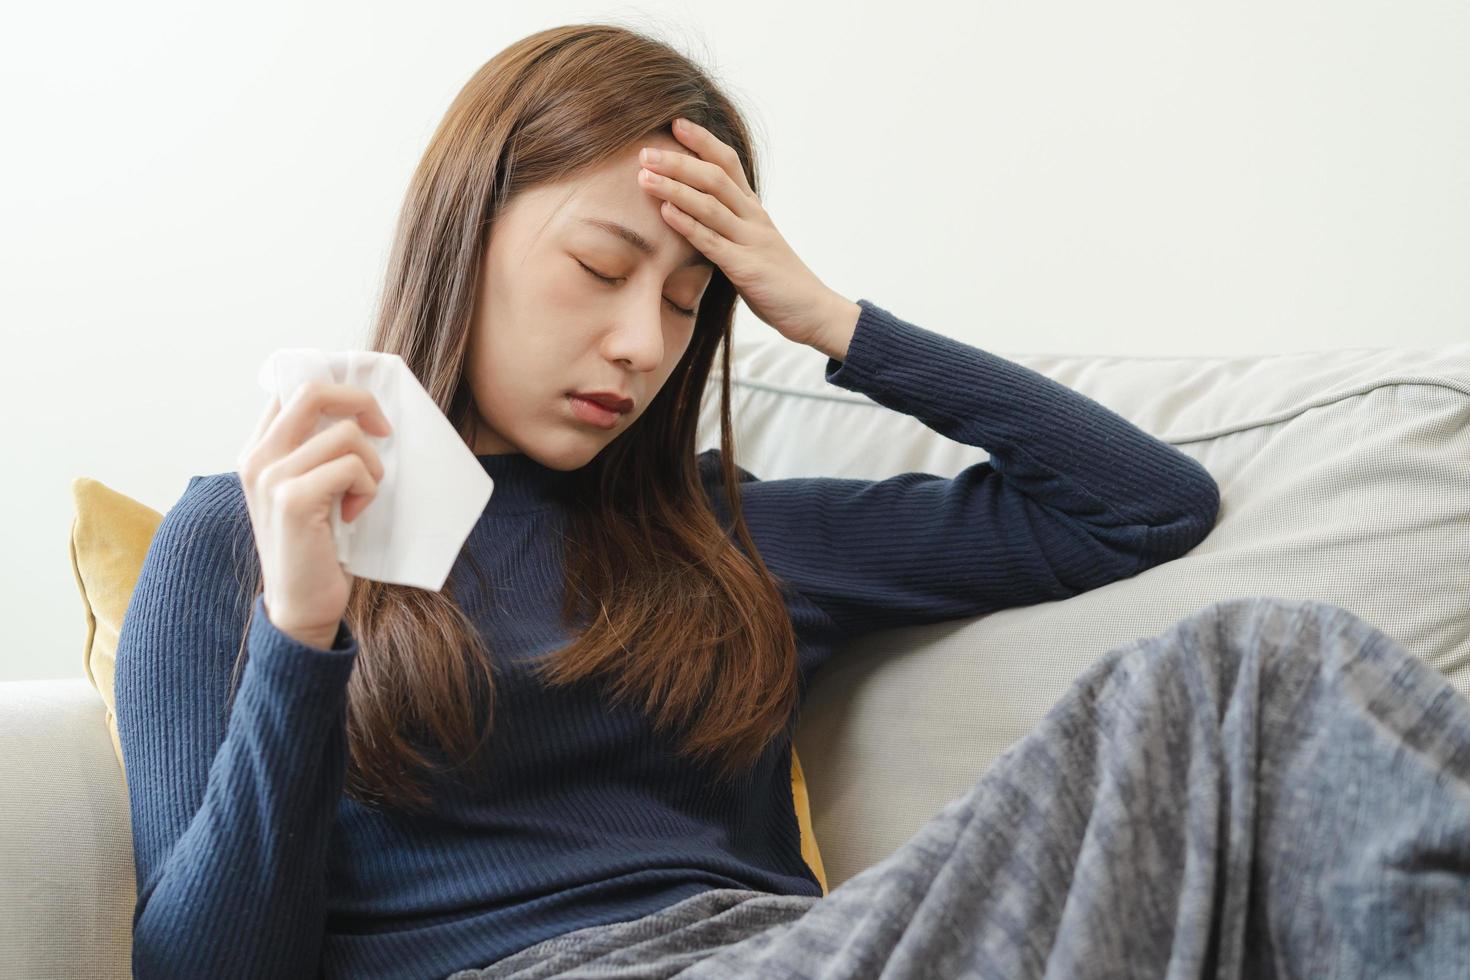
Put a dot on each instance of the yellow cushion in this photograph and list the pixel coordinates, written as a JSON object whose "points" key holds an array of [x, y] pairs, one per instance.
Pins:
{"points": [[809, 852], [109, 540]]}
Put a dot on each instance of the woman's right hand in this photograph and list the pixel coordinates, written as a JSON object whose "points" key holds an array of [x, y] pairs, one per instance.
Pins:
{"points": [[292, 480]]}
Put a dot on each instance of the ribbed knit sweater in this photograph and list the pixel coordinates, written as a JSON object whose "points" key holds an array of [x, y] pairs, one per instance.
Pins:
{"points": [[251, 861]]}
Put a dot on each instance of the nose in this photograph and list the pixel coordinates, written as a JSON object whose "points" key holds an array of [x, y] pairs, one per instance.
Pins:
{"points": [[638, 337]]}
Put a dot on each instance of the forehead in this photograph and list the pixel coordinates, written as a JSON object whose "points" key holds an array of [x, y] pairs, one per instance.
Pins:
{"points": [[609, 192], [611, 195], [616, 178]]}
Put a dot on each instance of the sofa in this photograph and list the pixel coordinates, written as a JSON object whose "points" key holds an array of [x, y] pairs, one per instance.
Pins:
{"points": [[1344, 476]]}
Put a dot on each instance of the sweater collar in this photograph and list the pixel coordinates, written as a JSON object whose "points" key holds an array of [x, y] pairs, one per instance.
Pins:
{"points": [[522, 484]]}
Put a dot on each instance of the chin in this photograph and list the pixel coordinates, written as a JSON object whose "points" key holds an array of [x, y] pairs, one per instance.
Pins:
{"points": [[572, 454]]}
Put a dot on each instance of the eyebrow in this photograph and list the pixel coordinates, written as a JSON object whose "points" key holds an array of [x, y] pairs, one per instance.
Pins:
{"points": [[642, 244]]}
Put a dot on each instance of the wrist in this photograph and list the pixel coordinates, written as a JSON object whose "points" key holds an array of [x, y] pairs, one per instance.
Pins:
{"points": [[839, 325], [315, 640], [317, 637]]}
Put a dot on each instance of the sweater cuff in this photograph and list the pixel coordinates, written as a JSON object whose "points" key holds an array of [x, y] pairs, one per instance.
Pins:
{"points": [[879, 337], [305, 669], [870, 319]]}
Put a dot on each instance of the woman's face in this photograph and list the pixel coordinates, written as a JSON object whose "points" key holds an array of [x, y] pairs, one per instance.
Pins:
{"points": [[545, 326]]}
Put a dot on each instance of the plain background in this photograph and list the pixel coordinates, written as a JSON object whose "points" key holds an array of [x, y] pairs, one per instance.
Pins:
{"points": [[187, 187]]}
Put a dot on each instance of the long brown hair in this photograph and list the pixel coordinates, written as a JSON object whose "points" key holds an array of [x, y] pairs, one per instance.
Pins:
{"points": [[679, 622]]}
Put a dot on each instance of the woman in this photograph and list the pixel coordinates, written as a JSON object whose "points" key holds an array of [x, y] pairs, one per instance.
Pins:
{"points": [[575, 760]]}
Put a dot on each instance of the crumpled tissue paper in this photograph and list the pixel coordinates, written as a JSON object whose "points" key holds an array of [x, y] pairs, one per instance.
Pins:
{"points": [[433, 489]]}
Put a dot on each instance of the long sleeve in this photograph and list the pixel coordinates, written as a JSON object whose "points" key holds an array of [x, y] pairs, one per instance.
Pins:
{"points": [[231, 815], [1073, 496]]}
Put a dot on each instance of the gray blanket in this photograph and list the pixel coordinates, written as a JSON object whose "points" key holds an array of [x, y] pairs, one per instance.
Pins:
{"points": [[1268, 788]]}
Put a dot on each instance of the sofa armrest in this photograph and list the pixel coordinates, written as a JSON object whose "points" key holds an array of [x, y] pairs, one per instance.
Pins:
{"points": [[66, 855]]}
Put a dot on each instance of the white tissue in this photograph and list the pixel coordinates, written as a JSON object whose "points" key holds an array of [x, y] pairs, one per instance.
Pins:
{"points": [[433, 489]]}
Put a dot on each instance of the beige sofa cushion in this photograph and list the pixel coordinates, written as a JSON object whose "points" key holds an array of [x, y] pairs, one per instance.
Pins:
{"points": [[66, 854], [1344, 476]]}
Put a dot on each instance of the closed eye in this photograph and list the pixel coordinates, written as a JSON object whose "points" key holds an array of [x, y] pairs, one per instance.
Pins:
{"points": [[611, 281]]}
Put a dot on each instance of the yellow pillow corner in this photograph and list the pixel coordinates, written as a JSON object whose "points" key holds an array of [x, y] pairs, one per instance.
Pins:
{"points": [[809, 852], [109, 539]]}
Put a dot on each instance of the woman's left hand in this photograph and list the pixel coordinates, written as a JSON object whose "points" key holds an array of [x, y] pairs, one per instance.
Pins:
{"points": [[708, 201]]}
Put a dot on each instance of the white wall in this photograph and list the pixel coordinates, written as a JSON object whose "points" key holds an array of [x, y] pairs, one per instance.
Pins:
{"points": [[188, 186]]}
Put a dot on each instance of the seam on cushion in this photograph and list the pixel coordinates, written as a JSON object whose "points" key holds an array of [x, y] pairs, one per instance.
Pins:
{"points": [[1237, 358], [1331, 398], [1284, 415]]}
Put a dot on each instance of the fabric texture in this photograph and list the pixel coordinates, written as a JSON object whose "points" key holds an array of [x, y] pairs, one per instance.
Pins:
{"points": [[66, 857], [583, 814], [1343, 473], [659, 944], [1268, 788], [110, 537]]}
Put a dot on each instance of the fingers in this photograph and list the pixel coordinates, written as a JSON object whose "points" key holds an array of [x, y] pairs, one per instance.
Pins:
{"points": [[710, 211], [344, 438], [346, 476], [703, 175], [272, 409], [703, 142], [287, 429]]}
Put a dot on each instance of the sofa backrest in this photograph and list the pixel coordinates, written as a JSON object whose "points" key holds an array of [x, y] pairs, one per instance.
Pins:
{"points": [[1344, 477]]}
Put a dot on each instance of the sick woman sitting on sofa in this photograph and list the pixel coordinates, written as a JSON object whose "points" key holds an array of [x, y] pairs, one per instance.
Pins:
{"points": [[575, 758]]}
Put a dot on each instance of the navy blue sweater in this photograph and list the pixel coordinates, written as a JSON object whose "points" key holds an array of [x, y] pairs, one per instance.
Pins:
{"points": [[251, 862]]}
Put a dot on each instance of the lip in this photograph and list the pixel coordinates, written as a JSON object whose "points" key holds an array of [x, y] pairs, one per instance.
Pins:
{"points": [[593, 413], [609, 400]]}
